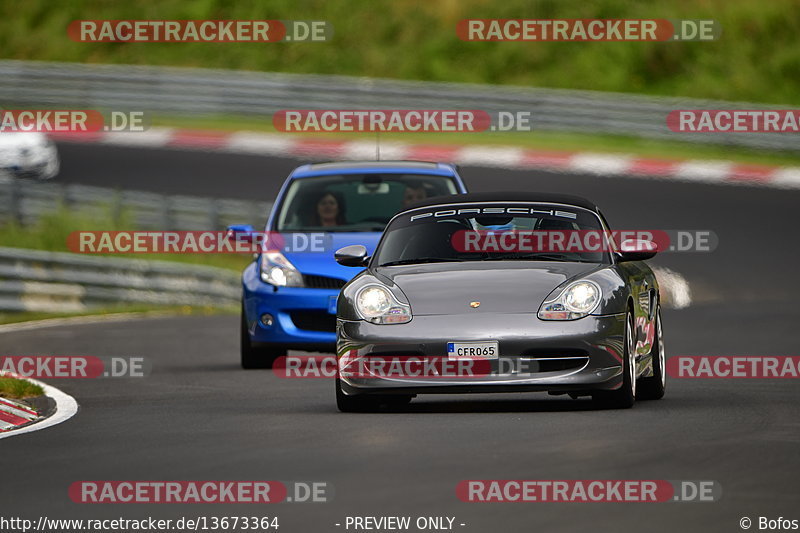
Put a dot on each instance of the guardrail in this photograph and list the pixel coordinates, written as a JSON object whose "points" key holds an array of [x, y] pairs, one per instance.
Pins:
{"points": [[33, 280], [25, 201], [221, 92]]}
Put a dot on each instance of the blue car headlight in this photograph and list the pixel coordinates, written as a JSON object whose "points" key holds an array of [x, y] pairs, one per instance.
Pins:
{"points": [[378, 305], [577, 300], [276, 270]]}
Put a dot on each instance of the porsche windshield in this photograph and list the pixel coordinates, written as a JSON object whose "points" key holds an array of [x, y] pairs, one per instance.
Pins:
{"points": [[354, 202], [535, 232]]}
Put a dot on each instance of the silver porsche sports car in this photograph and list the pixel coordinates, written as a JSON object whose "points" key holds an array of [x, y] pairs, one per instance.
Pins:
{"points": [[499, 292]]}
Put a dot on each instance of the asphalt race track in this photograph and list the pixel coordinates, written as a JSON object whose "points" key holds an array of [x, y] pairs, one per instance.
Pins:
{"points": [[198, 416]]}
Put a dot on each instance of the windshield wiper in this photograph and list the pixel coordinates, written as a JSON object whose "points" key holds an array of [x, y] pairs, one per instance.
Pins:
{"points": [[421, 260]]}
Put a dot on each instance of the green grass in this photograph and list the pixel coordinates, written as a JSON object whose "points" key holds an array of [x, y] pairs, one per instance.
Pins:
{"points": [[556, 141], [756, 59], [52, 230], [18, 389]]}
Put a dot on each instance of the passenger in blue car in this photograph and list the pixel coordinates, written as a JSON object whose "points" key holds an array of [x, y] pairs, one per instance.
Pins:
{"points": [[413, 194]]}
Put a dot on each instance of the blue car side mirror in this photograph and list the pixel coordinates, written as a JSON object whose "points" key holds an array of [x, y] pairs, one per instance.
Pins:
{"points": [[242, 233], [240, 228]]}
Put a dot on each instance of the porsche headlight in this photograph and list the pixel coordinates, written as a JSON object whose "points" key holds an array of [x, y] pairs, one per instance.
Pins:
{"points": [[577, 300], [277, 270], [377, 305]]}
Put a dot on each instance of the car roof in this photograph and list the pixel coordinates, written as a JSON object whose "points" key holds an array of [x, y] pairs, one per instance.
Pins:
{"points": [[357, 167], [505, 197]]}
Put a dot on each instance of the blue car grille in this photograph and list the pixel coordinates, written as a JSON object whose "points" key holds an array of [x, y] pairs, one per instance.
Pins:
{"points": [[314, 320], [322, 282]]}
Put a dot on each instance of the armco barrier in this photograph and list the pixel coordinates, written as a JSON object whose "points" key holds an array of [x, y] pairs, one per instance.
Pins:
{"points": [[33, 280], [25, 201], [181, 91]]}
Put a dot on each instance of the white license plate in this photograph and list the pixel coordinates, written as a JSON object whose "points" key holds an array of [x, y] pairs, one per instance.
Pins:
{"points": [[473, 350]]}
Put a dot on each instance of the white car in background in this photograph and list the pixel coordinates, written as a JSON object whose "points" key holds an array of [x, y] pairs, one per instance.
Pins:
{"points": [[28, 154]]}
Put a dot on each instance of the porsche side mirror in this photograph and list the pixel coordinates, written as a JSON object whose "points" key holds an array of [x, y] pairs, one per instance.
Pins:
{"points": [[354, 255], [636, 250]]}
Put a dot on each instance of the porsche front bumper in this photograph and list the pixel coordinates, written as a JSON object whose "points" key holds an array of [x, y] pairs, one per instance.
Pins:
{"points": [[577, 356]]}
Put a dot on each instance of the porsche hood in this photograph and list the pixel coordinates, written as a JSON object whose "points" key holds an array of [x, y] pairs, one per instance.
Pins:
{"points": [[497, 287]]}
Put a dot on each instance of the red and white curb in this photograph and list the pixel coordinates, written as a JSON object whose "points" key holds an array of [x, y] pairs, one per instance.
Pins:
{"points": [[612, 165], [13, 414]]}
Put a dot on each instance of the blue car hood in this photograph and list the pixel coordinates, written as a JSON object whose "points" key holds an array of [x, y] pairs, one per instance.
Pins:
{"points": [[323, 264]]}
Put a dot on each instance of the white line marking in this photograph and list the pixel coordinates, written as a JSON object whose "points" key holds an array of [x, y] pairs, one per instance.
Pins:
{"points": [[79, 320], [66, 408]]}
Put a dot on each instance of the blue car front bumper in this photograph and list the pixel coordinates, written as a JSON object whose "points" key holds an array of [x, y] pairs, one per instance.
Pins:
{"points": [[303, 318]]}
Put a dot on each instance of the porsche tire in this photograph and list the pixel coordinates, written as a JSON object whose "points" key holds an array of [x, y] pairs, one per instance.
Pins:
{"points": [[653, 387], [625, 396]]}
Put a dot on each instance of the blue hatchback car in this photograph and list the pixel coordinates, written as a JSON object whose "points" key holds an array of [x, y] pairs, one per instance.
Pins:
{"points": [[289, 292]]}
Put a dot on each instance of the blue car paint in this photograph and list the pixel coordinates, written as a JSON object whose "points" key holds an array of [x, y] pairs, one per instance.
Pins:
{"points": [[260, 297]]}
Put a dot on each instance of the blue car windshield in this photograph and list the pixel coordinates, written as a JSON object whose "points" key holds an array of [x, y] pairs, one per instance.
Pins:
{"points": [[354, 202]]}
